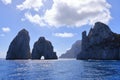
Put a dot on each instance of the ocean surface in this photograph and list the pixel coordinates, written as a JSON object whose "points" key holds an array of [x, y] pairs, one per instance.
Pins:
{"points": [[64, 69]]}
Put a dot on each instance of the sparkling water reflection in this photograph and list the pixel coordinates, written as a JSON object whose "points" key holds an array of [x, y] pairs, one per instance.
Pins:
{"points": [[59, 70]]}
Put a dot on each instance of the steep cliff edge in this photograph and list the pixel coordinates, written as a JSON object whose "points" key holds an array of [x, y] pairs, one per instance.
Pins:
{"points": [[101, 43]]}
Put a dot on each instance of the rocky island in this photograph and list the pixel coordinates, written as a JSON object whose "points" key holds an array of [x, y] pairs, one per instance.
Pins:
{"points": [[100, 44], [19, 48], [43, 47]]}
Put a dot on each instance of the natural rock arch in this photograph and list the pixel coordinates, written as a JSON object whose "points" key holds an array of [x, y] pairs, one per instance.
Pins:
{"points": [[44, 48]]}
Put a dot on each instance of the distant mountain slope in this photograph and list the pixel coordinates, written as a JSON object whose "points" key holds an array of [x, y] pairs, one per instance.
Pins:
{"points": [[75, 49]]}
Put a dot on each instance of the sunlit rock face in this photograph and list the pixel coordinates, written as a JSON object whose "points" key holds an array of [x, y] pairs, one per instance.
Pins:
{"points": [[100, 43], [44, 48], [19, 48], [73, 52]]}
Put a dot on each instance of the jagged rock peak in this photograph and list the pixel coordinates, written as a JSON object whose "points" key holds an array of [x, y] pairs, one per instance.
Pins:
{"points": [[41, 39], [100, 24], [23, 31], [100, 29]]}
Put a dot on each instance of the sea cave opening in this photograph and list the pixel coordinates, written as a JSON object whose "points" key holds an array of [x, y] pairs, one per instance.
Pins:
{"points": [[42, 57]]}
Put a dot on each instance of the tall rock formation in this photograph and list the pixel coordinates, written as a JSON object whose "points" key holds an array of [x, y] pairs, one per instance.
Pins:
{"points": [[19, 47], [101, 43], [73, 52], [44, 48]]}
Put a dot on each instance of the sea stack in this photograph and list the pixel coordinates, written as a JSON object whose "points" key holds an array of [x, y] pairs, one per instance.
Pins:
{"points": [[19, 48], [44, 48], [100, 43]]}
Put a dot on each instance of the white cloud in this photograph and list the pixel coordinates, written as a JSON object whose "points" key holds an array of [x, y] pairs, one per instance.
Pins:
{"points": [[34, 19], [7, 1], [64, 35], [6, 29], [70, 13], [30, 4], [77, 12], [2, 35]]}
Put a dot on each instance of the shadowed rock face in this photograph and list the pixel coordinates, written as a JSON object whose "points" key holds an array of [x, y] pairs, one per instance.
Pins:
{"points": [[19, 47], [73, 52], [44, 48], [101, 43]]}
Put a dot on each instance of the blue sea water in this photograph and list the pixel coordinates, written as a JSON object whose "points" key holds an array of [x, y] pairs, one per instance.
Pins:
{"points": [[59, 70]]}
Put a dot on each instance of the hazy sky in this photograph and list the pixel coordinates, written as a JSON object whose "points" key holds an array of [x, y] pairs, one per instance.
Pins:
{"points": [[60, 21]]}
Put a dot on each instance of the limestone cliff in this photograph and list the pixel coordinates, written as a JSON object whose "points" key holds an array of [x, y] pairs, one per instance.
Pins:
{"points": [[100, 43]]}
